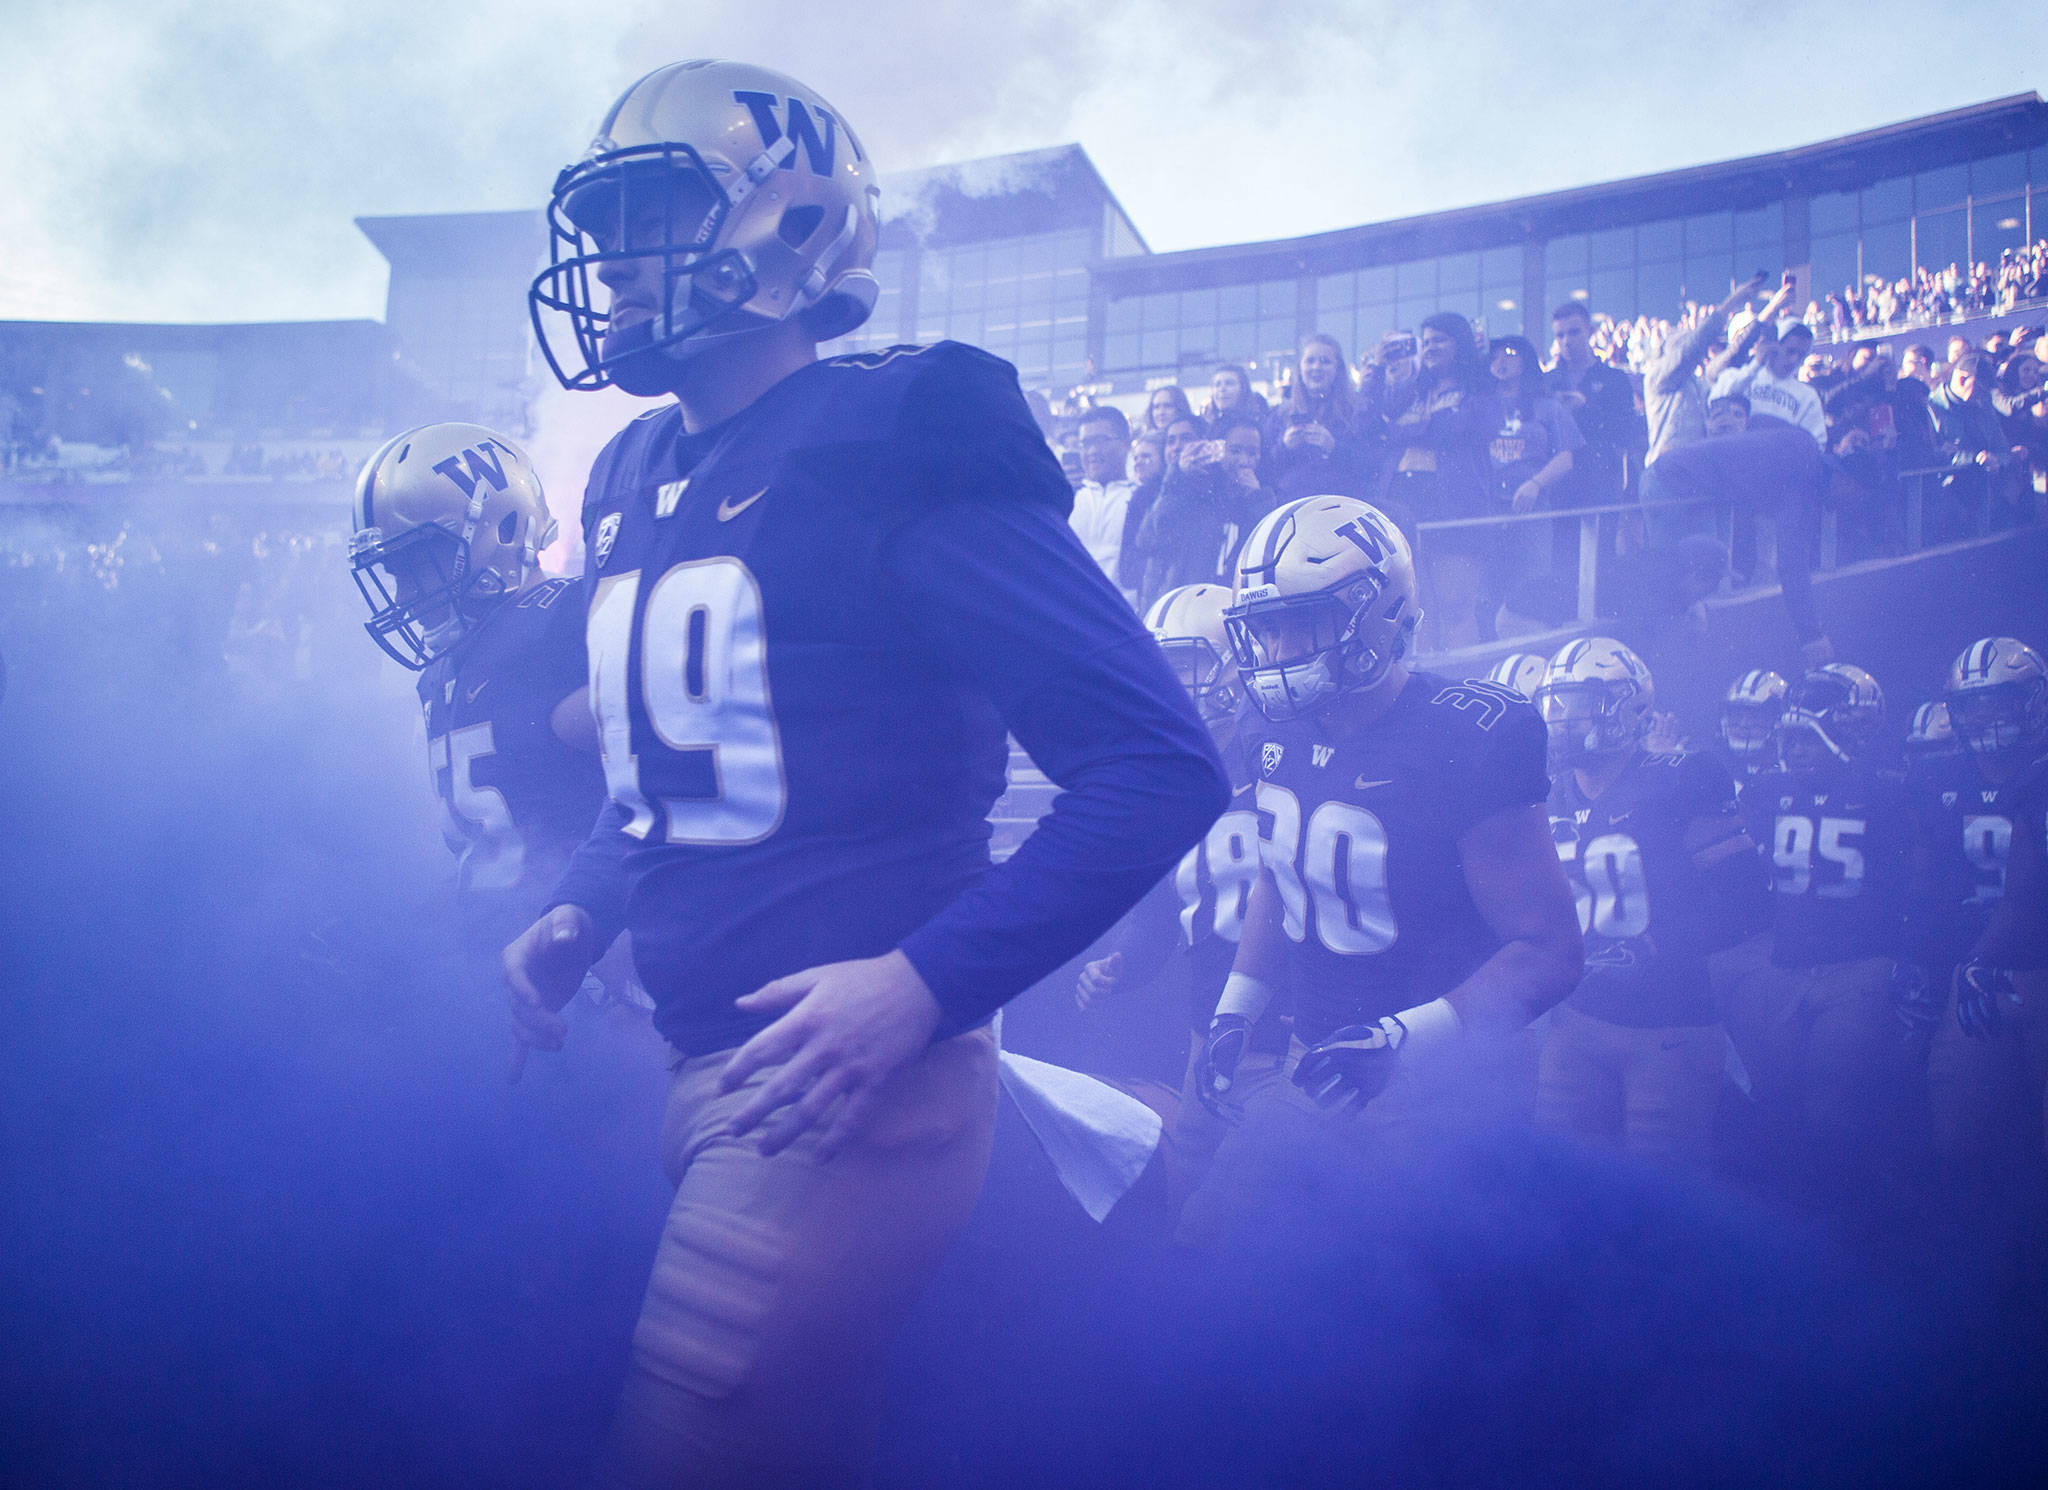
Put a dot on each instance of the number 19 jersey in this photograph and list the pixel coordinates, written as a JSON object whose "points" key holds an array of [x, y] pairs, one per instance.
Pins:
{"points": [[1361, 834]]}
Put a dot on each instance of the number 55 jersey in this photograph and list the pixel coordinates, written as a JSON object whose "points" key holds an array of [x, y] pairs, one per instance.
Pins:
{"points": [[1361, 833], [809, 629], [516, 799]]}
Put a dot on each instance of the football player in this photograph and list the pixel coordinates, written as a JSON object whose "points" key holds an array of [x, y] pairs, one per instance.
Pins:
{"points": [[1930, 734], [1410, 902], [1967, 805], [818, 595], [1521, 671], [1817, 1026], [1664, 875], [1750, 712], [449, 521], [1186, 930]]}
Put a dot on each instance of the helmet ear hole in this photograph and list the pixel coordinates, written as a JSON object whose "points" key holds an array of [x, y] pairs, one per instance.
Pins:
{"points": [[799, 224], [507, 526]]}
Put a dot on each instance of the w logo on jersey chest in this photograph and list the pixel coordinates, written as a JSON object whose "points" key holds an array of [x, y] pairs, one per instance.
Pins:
{"points": [[1269, 757], [1321, 754]]}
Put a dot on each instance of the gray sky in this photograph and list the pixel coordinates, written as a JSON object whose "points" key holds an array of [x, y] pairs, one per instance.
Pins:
{"points": [[202, 162]]}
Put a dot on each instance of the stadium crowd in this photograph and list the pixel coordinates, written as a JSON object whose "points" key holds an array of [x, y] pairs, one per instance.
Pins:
{"points": [[1446, 428]]}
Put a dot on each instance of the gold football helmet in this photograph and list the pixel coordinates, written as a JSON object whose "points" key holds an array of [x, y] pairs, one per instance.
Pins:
{"points": [[1750, 712], [1595, 700], [449, 521], [753, 192], [1325, 603], [1188, 625], [1997, 695]]}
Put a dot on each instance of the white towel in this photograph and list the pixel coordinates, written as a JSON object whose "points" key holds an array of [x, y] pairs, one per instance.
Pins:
{"points": [[1098, 1138]]}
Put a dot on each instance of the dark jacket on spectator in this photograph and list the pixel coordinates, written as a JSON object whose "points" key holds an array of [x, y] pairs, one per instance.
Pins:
{"points": [[1968, 428], [1304, 471], [1130, 558], [1612, 427], [1191, 533], [1438, 463]]}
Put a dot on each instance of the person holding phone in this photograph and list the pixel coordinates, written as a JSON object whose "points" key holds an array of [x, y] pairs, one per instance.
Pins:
{"points": [[1316, 444]]}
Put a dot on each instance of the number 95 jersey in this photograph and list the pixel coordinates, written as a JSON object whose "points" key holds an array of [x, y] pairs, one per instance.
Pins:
{"points": [[1361, 833]]}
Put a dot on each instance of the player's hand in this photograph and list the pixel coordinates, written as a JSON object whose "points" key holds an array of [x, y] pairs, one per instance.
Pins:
{"points": [[846, 1028], [1985, 998], [1229, 1035], [1097, 981], [1918, 1004], [544, 967], [1353, 1066]]}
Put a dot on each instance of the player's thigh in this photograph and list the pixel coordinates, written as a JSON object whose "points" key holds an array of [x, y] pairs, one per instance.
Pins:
{"points": [[780, 1278], [1858, 1056], [1672, 1087], [1767, 1020], [1579, 1077]]}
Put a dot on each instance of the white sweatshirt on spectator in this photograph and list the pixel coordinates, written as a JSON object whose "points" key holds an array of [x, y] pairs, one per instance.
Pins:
{"points": [[1773, 397], [1098, 520]]}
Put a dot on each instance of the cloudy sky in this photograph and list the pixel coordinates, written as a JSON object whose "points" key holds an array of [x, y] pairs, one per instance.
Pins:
{"points": [[178, 161]]}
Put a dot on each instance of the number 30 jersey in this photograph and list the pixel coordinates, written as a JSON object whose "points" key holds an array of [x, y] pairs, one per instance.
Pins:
{"points": [[1361, 834], [1650, 913], [517, 800], [1839, 845], [809, 630]]}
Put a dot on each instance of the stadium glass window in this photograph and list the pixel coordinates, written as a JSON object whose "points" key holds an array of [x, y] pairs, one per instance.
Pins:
{"points": [[1238, 341], [1415, 283], [1659, 289], [1947, 187], [1121, 316], [1374, 322], [1276, 298], [1834, 263], [1613, 249], [1996, 226], [1122, 351], [1941, 239], [1376, 286], [1832, 212], [1457, 272], [1709, 277], [1160, 349], [1464, 302], [1888, 201], [1888, 249], [1555, 293], [1198, 308], [1565, 258], [1158, 312], [1660, 242], [1335, 290], [1999, 175], [1762, 228], [2037, 166], [1708, 234], [1238, 303], [1409, 314], [1613, 292]]}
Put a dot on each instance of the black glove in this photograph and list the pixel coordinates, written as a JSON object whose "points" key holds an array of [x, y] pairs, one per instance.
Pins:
{"points": [[1915, 1000], [1984, 997], [1229, 1035], [1353, 1065]]}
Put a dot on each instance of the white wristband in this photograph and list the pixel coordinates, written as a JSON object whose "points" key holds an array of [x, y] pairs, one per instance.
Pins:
{"points": [[1430, 1027], [1244, 995]]}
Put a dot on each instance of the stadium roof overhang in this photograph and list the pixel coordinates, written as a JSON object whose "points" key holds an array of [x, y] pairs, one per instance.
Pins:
{"points": [[1842, 164]]}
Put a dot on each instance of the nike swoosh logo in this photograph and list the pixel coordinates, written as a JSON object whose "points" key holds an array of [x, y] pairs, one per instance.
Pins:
{"points": [[729, 509], [1363, 785], [470, 697]]}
